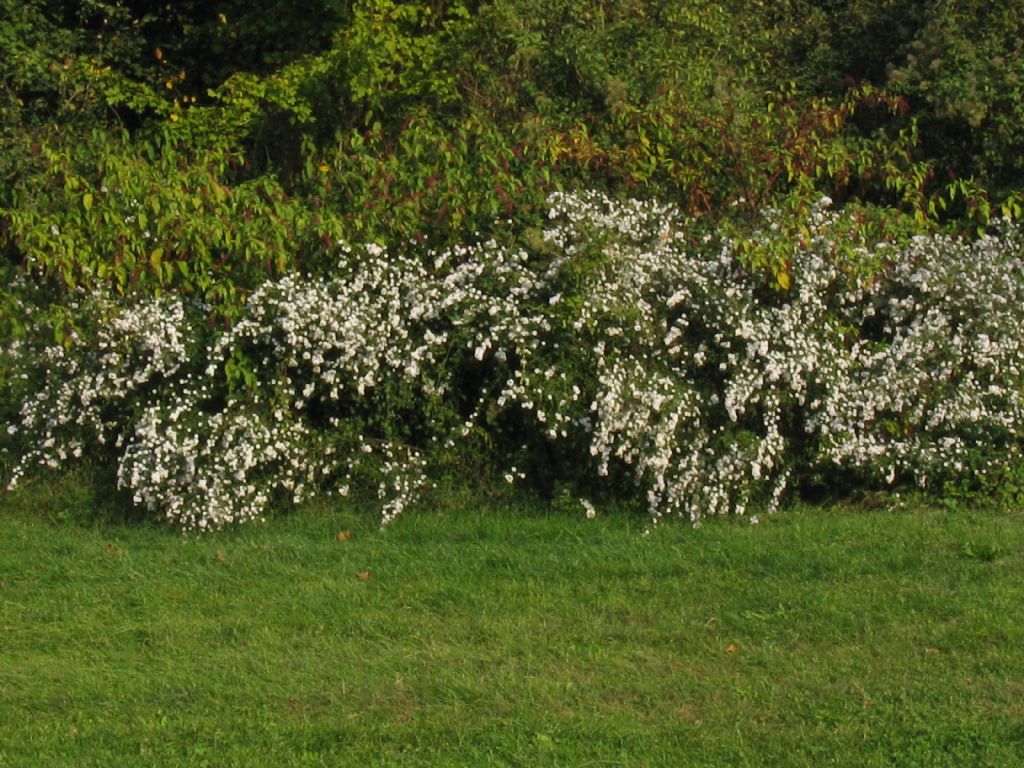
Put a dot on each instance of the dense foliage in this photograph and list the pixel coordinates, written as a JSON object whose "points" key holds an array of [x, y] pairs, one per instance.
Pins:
{"points": [[257, 252], [617, 348]]}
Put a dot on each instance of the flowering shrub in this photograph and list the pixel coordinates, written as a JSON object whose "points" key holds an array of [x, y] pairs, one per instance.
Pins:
{"points": [[935, 376], [90, 390], [617, 345]]}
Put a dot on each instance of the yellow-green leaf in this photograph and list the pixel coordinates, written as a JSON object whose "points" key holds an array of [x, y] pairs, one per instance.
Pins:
{"points": [[87, 201]]}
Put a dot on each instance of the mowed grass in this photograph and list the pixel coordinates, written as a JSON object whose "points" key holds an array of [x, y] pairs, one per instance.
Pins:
{"points": [[507, 635]]}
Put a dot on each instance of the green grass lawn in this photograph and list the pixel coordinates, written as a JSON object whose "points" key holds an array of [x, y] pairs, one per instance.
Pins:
{"points": [[506, 636]]}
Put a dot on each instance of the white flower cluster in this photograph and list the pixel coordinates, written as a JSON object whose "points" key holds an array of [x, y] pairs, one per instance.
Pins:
{"points": [[714, 387], [621, 342], [939, 378], [318, 381], [90, 398], [692, 373], [226, 469]]}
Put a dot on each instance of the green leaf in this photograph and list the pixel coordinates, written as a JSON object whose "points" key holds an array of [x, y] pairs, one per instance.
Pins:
{"points": [[87, 201]]}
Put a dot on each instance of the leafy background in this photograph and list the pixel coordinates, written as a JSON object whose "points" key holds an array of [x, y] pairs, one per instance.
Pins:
{"points": [[199, 151]]}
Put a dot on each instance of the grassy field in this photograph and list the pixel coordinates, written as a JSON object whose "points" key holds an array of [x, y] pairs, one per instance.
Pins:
{"points": [[508, 636]]}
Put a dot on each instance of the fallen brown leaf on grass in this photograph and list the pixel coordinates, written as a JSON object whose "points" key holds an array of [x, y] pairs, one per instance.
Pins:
{"points": [[364, 576], [343, 535], [731, 648]]}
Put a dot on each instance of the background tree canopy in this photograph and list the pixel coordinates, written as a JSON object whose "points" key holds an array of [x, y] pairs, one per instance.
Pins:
{"points": [[205, 146]]}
